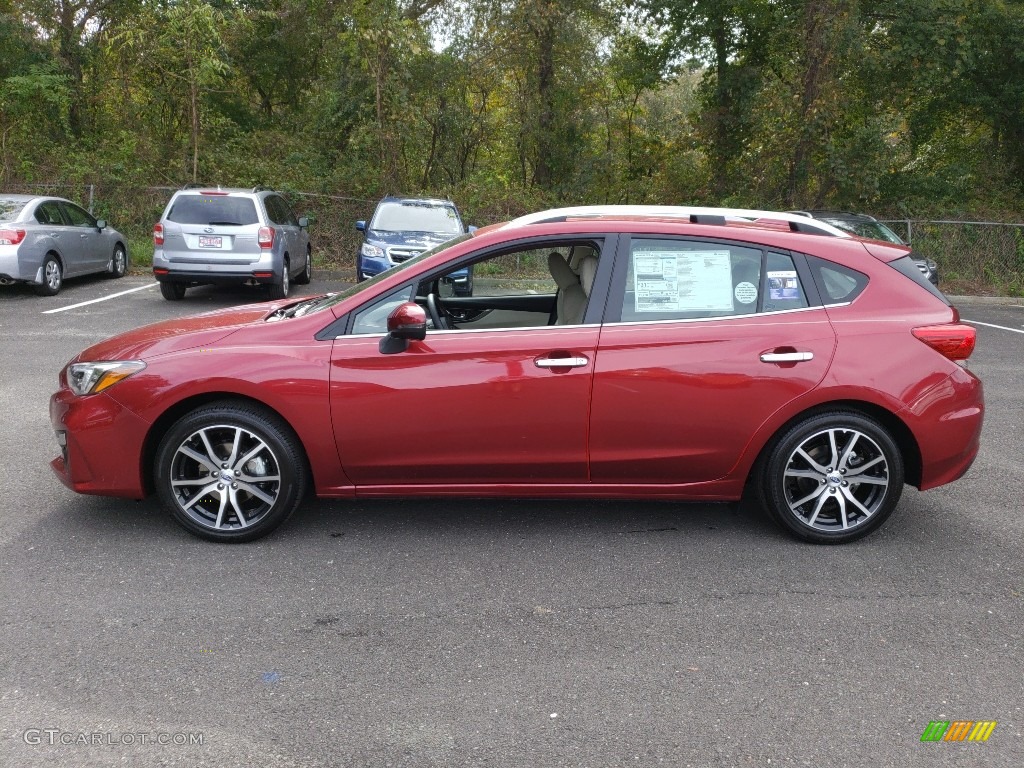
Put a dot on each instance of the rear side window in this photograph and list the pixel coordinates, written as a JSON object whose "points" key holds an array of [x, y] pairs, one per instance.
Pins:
{"points": [[214, 210], [836, 283], [782, 284], [49, 213], [906, 266]]}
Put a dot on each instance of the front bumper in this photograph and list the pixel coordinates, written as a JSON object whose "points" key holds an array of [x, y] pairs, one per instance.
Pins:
{"points": [[101, 445]]}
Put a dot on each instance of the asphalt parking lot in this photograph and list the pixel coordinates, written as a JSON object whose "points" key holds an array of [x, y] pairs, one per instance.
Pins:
{"points": [[496, 633]]}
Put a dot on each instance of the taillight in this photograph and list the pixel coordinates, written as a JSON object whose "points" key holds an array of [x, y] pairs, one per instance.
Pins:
{"points": [[11, 236], [158, 234], [266, 237], [954, 341]]}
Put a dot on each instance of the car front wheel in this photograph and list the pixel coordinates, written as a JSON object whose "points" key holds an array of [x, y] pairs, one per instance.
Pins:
{"points": [[307, 272], [230, 472], [833, 477], [118, 262]]}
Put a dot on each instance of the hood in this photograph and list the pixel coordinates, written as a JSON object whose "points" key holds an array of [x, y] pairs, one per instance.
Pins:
{"points": [[422, 240], [181, 333]]}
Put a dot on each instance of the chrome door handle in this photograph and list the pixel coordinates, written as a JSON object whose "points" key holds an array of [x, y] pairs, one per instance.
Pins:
{"points": [[786, 357], [560, 362]]}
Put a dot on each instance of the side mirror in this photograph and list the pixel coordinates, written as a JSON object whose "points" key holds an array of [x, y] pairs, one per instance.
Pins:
{"points": [[471, 229], [406, 322], [361, 225], [101, 224], [303, 222]]}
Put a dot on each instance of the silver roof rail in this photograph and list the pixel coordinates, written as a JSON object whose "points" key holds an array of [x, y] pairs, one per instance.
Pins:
{"points": [[693, 213]]}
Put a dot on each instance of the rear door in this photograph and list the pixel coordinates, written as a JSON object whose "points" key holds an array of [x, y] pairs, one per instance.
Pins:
{"points": [[705, 341]]}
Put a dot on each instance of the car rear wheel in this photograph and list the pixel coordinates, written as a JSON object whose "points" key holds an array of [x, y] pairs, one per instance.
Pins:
{"points": [[280, 290], [833, 477], [172, 291], [230, 472], [118, 262], [53, 277], [307, 272]]}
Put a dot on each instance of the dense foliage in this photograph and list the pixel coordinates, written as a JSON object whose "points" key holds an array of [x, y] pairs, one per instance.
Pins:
{"points": [[912, 107]]}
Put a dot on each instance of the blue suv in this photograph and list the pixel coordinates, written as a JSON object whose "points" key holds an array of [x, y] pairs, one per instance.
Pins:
{"points": [[403, 227]]}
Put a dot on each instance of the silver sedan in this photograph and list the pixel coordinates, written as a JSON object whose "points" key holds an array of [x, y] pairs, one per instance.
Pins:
{"points": [[46, 239]]}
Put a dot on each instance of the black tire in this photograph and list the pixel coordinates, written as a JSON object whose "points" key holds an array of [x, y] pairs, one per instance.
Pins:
{"points": [[53, 277], [808, 478], [214, 500], [281, 289], [172, 291], [307, 272], [118, 262]]}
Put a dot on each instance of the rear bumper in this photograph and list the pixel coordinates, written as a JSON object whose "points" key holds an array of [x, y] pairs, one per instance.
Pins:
{"points": [[946, 419], [101, 445], [259, 276], [15, 268]]}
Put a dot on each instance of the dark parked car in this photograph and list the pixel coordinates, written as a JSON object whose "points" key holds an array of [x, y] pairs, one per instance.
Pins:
{"points": [[690, 354], [403, 227], [46, 239], [230, 236], [871, 228]]}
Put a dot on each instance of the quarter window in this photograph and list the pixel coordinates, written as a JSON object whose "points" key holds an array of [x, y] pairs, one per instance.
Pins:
{"points": [[836, 282]]}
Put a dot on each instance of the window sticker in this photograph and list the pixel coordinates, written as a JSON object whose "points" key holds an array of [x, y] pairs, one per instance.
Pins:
{"points": [[746, 293], [673, 281], [783, 285]]}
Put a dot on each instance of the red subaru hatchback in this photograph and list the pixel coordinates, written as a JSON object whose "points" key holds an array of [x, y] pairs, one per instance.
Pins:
{"points": [[626, 352]]}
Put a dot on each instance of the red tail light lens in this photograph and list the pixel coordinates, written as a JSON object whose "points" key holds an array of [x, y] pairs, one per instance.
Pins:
{"points": [[266, 237], [954, 341], [11, 236], [158, 234]]}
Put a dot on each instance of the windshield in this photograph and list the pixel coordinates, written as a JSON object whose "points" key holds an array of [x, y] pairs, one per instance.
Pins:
{"points": [[416, 216], [9, 209], [873, 230], [213, 209], [336, 298]]}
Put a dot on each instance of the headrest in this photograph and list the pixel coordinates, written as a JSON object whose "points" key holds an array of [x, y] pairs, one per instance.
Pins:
{"points": [[561, 271], [588, 271]]}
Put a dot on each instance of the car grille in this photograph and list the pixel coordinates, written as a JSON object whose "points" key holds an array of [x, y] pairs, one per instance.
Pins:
{"points": [[923, 267], [399, 254]]}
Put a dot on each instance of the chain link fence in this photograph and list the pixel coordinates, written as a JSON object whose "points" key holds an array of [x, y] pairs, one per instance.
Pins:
{"points": [[974, 257]]}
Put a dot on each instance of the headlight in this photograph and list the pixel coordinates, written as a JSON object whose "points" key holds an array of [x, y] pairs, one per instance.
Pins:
{"points": [[90, 378], [372, 251]]}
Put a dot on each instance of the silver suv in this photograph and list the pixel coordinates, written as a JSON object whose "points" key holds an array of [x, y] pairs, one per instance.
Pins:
{"points": [[230, 236]]}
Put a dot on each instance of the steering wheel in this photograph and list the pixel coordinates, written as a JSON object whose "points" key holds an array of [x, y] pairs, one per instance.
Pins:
{"points": [[435, 312]]}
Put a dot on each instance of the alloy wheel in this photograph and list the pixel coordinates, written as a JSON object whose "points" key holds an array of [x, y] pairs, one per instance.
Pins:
{"points": [[836, 480], [225, 477]]}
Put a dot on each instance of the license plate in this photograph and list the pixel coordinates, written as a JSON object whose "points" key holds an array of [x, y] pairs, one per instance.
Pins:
{"points": [[209, 242]]}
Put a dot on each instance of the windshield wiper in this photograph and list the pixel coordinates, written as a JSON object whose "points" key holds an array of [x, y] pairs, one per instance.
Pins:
{"points": [[224, 224]]}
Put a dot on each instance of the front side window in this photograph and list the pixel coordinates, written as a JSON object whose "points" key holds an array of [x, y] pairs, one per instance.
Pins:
{"points": [[374, 318], [78, 217]]}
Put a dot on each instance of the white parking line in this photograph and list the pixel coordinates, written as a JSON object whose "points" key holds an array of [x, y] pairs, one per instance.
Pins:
{"points": [[102, 298], [990, 325]]}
